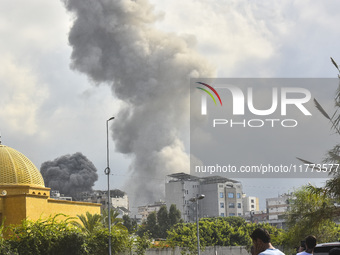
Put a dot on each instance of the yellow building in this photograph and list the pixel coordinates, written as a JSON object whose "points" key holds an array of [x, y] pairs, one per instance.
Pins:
{"points": [[23, 194]]}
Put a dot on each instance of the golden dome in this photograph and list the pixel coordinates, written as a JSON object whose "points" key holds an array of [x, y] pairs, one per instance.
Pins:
{"points": [[17, 169]]}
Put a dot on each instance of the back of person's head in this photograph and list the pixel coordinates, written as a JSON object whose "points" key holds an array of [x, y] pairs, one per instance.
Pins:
{"points": [[334, 251], [310, 242], [262, 234]]}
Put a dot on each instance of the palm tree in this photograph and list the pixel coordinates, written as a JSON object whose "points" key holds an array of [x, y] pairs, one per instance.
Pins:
{"points": [[331, 190], [116, 223], [89, 222]]}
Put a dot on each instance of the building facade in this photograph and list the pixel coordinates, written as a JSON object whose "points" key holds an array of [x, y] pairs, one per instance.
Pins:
{"points": [[223, 196], [144, 211], [119, 200], [250, 204], [276, 209]]}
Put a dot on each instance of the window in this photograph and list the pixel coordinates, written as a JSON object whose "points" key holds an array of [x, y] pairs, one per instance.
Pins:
{"points": [[238, 195], [231, 195], [221, 205], [231, 214], [222, 215], [239, 214], [252, 206], [252, 201], [231, 205], [221, 195], [238, 205], [220, 185]]}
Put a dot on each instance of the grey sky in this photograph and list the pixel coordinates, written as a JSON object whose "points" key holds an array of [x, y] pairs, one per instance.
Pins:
{"points": [[48, 110]]}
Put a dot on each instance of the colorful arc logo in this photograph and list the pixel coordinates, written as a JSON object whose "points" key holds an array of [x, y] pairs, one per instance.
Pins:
{"points": [[209, 93]]}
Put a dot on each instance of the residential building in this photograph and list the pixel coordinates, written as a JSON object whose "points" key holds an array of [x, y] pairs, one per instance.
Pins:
{"points": [[119, 200], [145, 210], [223, 196], [276, 209], [250, 204]]}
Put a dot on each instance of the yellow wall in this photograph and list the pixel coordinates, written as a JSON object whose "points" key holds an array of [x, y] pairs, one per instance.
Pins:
{"points": [[26, 203], [14, 209]]}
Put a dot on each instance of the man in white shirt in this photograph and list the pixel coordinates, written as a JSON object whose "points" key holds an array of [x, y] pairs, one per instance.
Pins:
{"points": [[262, 245]]}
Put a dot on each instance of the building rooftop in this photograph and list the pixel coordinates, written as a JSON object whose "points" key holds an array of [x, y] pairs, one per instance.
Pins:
{"points": [[204, 180], [217, 179], [184, 177]]}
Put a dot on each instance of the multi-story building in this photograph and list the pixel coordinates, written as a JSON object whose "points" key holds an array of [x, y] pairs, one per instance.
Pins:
{"points": [[223, 196], [145, 210], [119, 200], [276, 209], [250, 204]]}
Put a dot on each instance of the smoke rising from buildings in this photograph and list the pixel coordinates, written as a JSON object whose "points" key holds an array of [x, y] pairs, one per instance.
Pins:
{"points": [[114, 42], [70, 174]]}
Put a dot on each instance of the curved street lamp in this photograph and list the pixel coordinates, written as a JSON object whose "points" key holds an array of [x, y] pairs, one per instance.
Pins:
{"points": [[195, 200], [107, 172]]}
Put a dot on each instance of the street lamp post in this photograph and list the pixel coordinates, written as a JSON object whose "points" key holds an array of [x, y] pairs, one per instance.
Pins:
{"points": [[195, 199], [107, 172]]}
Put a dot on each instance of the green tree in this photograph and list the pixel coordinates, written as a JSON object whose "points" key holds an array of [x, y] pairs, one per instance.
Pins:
{"points": [[221, 231], [47, 237], [89, 222], [116, 222], [157, 224], [142, 243], [130, 224], [303, 218], [97, 243], [151, 225], [163, 222], [174, 215], [330, 193]]}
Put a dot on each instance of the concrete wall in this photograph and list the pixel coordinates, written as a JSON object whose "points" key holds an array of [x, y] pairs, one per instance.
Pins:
{"points": [[212, 250], [210, 205]]}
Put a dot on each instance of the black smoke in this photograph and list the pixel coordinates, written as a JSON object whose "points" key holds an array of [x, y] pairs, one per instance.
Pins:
{"points": [[70, 174]]}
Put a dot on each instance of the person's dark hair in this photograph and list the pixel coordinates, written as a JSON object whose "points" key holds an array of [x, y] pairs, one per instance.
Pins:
{"points": [[262, 234], [310, 242], [334, 251]]}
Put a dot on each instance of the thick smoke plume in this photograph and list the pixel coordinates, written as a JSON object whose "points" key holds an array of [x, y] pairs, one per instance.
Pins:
{"points": [[114, 42], [70, 174]]}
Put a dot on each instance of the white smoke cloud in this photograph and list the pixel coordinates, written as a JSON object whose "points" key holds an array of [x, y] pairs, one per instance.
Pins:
{"points": [[21, 96]]}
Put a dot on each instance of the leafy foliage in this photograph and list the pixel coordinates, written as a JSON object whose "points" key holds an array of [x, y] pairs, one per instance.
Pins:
{"points": [[97, 243], [142, 243], [304, 218], [130, 224], [89, 223], [221, 231], [324, 201], [116, 222], [61, 236], [47, 237], [157, 224]]}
